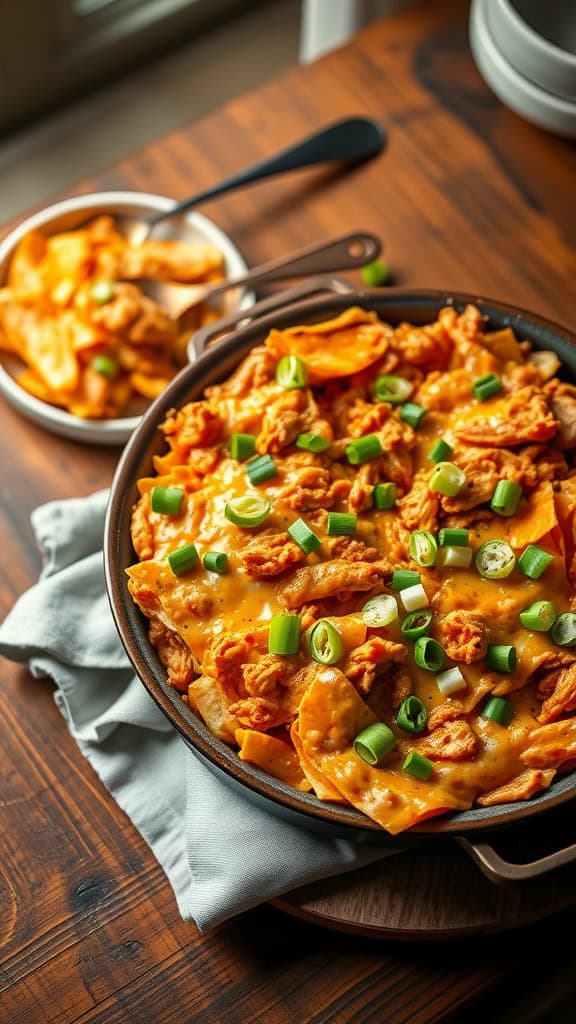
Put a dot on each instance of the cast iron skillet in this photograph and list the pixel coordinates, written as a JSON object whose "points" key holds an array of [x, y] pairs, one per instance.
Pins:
{"points": [[211, 365]]}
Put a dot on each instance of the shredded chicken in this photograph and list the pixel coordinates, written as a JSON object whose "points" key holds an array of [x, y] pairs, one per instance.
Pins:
{"points": [[419, 508], [463, 635], [559, 689], [521, 788], [523, 418], [365, 662], [562, 399], [331, 579], [269, 554], [453, 741], [174, 655]]}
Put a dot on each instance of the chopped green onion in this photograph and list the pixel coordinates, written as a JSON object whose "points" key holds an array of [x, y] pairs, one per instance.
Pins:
{"points": [[304, 536], [261, 468], [534, 561], [291, 373], [102, 292], [423, 547], [312, 443], [402, 578], [455, 557], [374, 743], [418, 766], [375, 273], [451, 681], [379, 611], [486, 387], [106, 366], [506, 498], [394, 390], [248, 510], [563, 631], [539, 616], [447, 479], [412, 414], [384, 496], [416, 625], [414, 598], [454, 538], [440, 452], [498, 709], [242, 446], [412, 715], [362, 449], [495, 559], [501, 658], [183, 559], [284, 634], [167, 500], [429, 654], [340, 524], [216, 561], [325, 643]]}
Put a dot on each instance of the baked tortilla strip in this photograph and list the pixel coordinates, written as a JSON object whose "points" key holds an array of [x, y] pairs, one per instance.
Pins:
{"points": [[332, 714]]}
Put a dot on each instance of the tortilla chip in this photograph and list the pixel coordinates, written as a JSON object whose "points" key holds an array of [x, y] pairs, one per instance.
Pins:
{"points": [[335, 348], [274, 756], [537, 518]]}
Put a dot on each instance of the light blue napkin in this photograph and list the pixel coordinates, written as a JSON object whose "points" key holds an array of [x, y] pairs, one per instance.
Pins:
{"points": [[221, 853]]}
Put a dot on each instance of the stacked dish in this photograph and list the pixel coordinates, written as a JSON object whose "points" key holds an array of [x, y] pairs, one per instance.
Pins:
{"points": [[526, 52]]}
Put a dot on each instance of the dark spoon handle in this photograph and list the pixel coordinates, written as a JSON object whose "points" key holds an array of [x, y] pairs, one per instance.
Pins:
{"points": [[351, 140]]}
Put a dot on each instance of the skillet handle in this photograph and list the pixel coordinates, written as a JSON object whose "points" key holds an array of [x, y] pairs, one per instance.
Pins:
{"points": [[200, 341], [503, 872]]}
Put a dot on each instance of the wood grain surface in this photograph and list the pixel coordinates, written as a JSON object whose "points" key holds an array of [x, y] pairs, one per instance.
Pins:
{"points": [[467, 196]]}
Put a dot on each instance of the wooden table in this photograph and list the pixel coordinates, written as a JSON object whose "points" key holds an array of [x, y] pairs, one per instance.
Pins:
{"points": [[467, 197]]}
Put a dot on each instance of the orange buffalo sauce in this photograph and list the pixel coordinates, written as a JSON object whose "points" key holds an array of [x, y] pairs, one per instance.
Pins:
{"points": [[289, 713]]}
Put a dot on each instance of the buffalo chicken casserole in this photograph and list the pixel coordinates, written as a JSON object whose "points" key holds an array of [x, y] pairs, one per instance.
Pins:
{"points": [[357, 556]]}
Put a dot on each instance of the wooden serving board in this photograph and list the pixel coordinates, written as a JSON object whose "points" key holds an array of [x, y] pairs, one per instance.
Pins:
{"points": [[438, 892]]}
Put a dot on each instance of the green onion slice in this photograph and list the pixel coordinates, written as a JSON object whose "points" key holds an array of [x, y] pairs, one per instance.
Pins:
{"points": [[498, 709], [447, 479], [325, 643], [183, 559], [102, 292], [340, 524], [106, 366], [423, 548], [402, 578], [362, 449], [501, 658], [291, 372], [414, 598], [416, 624], [495, 559], [451, 681], [379, 611], [216, 561], [412, 414], [440, 452], [534, 561], [312, 443], [454, 538], [394, 390], [506, 498], [248, 510], [374, 743], [284, 634], [261, 468], [412, 715], [486, 387], [418, 766], [384, 496], [167, 500], [455, 557], [539, 616], [305, 537], [375, 273], [242, 446], [563, 631], [429, 654]]}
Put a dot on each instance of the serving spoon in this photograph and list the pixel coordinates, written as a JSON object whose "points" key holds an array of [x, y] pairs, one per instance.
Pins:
{"points": [[351, 140], [346, 252]]}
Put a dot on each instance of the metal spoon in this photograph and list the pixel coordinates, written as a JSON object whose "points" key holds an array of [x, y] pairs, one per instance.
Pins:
{"points": [[351, 140], [345, 252]]}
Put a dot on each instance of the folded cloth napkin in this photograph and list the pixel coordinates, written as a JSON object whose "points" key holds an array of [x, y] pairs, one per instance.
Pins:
{"points": [[221, 853]]}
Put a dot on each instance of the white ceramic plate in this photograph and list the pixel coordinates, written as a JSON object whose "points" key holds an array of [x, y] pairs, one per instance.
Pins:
{"points": [[71, 213]]}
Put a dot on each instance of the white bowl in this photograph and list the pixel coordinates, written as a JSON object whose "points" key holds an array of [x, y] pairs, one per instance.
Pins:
{"points": [[71, 213], [542, 108], [539, 39]]}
